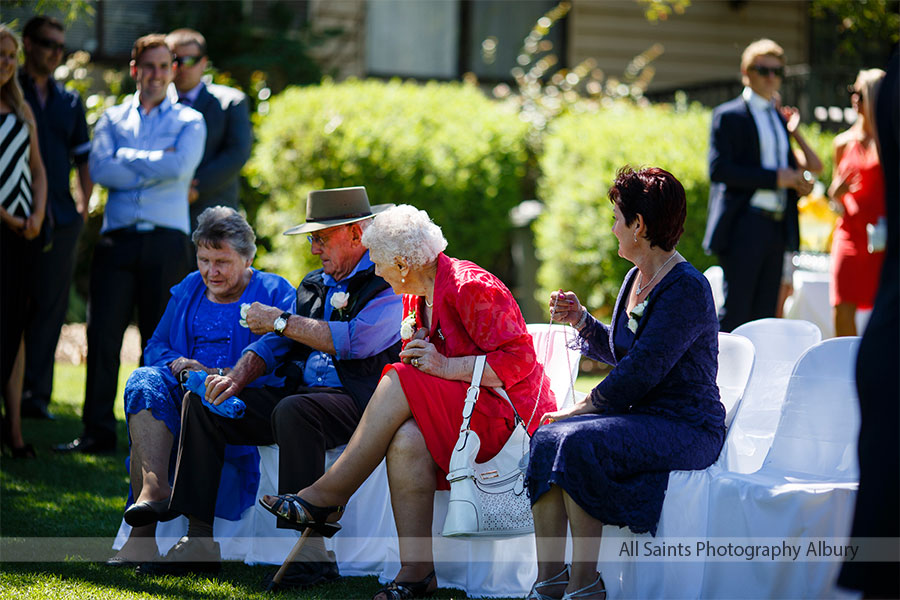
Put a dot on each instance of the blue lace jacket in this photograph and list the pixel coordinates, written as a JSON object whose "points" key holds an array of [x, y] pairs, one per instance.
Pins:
{"points": [[671, 368]]}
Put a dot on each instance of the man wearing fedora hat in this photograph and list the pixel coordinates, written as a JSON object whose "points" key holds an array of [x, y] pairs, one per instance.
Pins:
{"points": [[330, 348]]}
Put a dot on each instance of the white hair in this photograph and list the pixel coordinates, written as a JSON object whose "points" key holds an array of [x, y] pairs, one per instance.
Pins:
{"points": [[406, 232]]}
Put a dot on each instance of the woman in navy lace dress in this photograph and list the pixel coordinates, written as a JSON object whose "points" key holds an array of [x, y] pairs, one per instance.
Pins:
{"points": [[606, 460], [201, 330]]}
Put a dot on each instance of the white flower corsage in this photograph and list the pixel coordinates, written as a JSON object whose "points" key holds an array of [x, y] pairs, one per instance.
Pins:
{"points": [[408, 327], [244, 308], [339, 300], [635, 315]]}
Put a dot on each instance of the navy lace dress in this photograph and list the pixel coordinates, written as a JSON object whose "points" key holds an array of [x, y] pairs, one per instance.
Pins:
{"points": [[657, 411]]}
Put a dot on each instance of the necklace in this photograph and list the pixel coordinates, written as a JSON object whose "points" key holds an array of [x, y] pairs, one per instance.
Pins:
{"points": [[638, 288]]}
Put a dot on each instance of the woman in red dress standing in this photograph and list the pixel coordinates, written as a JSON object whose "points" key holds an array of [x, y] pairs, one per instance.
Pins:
{"points": [[454, 311], [858, 186]]}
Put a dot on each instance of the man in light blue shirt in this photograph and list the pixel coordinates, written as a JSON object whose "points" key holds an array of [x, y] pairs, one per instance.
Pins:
{"points": [[145, 151], [331, 347]]}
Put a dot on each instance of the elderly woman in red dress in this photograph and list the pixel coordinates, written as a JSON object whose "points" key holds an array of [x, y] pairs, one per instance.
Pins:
{"points": [[454, 311]]}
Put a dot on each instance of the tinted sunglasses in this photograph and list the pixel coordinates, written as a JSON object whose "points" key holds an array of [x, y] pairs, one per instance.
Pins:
{"points": [[766, 71], [48, 44], [187, 61]]}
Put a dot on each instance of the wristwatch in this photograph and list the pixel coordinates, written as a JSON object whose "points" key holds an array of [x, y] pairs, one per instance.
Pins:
{"points": [[280, 323]]}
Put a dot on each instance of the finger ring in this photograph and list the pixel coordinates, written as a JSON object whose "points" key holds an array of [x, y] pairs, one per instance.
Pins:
{"points": [[415, 362]]}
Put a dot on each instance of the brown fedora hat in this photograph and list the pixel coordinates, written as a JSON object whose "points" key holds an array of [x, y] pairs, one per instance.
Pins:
{"points": [[337, 206]]}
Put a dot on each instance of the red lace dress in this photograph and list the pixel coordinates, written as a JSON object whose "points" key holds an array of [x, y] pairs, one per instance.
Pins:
{"points": [[855, 272], [473, 313]]}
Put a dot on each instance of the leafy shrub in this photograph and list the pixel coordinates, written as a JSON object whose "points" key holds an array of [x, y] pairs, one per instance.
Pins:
{"points": [[581, 156], [442, 147]]}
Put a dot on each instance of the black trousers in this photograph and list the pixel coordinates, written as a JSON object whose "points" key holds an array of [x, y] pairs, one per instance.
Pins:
{"points": [[131, 270], [304, 423], [752, 270], [50, 301]]}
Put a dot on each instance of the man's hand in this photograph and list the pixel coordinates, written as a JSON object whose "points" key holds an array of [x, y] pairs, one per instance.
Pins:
{"points": [[261, 318], [801, 181], [220, 388], [193, 194]]}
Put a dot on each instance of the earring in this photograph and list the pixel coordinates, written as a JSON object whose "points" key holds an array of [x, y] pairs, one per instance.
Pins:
{"points": [[635, 238], [402, 280]]}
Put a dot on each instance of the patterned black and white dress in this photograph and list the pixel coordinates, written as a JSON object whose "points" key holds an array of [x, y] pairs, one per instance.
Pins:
{"points": [[15, 176], [18, 256]]}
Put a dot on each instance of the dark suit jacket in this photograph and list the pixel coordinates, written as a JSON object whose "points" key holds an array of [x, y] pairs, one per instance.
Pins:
{"points": [[735, 173], [228, 140]]}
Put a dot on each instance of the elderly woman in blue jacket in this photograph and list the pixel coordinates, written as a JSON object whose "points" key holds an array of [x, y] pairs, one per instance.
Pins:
{"points": [[201, 330], [606, 460]]}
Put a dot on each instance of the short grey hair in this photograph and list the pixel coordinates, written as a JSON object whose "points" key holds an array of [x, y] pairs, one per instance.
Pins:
{"points": [[404, 231], [219, 225]]}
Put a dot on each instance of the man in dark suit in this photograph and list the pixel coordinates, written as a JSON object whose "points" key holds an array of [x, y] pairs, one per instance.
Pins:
{"points": [[756, 179], [228, 131]]}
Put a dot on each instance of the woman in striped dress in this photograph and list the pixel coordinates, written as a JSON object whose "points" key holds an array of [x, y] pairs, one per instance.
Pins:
{"points": [[23, 200]]}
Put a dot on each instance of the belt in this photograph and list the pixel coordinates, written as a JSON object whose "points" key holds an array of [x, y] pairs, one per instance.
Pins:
{"points": [[774, 215]]}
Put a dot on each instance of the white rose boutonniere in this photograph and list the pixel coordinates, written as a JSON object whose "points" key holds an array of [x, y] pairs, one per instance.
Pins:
{"points": [[635, 315], [339, 300], [243, 321], [408, 327]]}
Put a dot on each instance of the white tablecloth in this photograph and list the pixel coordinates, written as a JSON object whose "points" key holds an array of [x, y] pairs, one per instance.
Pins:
{"points": [[810, 302]]}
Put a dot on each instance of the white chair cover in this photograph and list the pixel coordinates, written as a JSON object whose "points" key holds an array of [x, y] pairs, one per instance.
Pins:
{"points": [[778, 343], [736, 358], [560, 362], [716, 279], [806, 488]]}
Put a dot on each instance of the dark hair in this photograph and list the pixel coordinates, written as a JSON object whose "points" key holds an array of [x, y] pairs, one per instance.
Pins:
{"points": [[184, 36], [219, 225], [34, 25], [153, 40], [657, 196]]}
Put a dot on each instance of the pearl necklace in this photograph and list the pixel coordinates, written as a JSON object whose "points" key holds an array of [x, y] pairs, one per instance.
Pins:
{"points": [[638, 288]]}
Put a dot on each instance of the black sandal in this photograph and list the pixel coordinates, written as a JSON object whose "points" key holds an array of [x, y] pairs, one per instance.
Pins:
{"points": [[404, 590], [305, 515]]}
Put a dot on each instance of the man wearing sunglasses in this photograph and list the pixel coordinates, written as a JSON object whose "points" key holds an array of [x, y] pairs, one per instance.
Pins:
{"points": [[63, 136], [145, 152], [755, 181], [228, 131]]}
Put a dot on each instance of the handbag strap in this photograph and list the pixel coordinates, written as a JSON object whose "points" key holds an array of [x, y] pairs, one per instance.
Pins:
{"points": [[472, 392]]}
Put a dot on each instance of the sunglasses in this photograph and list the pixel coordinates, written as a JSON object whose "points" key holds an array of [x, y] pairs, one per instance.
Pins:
{"points": [[766, 71], [49, 44], [320, 239], [187, 61]]}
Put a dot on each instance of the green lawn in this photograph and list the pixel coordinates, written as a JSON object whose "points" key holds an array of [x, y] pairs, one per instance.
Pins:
{"points": [[74, 504]]}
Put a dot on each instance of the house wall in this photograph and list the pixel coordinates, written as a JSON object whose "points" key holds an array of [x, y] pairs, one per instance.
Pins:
{"points": [[704, 44]]}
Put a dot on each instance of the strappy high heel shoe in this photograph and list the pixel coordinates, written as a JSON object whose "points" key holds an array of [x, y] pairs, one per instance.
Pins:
{"points": [[598, 587], [560, 578], [297, 511]]}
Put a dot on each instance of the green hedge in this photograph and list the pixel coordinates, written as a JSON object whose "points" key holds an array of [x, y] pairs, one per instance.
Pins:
{"points": [[581, 156], [443, 147], [582, 153]]}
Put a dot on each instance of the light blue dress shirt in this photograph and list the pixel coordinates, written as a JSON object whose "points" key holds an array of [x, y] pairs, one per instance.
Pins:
{"points": [[375, 328], [147, 160]]}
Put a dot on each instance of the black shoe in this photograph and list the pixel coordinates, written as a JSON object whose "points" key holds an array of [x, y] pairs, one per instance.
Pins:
{"points": [[301, 575], [89, 445], [188, 555], [140, 514], [35, 409]]}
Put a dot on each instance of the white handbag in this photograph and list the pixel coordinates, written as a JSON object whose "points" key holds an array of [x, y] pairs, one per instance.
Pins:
{"points": [[488, 499]]}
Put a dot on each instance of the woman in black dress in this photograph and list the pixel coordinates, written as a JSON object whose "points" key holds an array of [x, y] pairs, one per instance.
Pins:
{"points": [[606, 460]]}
